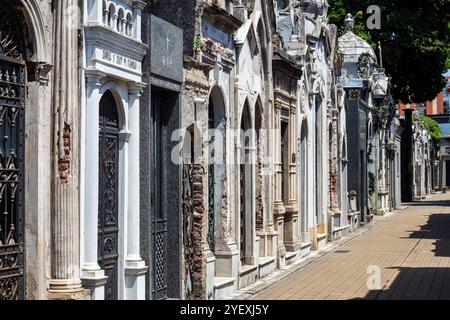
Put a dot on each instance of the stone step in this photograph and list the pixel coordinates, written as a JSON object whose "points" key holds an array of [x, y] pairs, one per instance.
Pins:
{"points": [[305, 248], [292, 256], [321, 240], [267, 265], [248, 274], [224, 287]]}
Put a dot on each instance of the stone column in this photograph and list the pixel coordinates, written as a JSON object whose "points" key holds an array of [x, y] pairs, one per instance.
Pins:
{"points": [[279, 209], [138, 6], [292, 240], [251, 218], [123, 26], [96, 13], [334, 163], [268, 234], [311, 169], [293, 200], [105, 17], [65, 280], [384, 163], [114, 19], [93, 277], [131, 29], [334, 174], [135, 267]]}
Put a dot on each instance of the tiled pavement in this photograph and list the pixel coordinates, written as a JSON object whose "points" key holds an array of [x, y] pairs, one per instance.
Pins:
{"points": [[411, 247]]}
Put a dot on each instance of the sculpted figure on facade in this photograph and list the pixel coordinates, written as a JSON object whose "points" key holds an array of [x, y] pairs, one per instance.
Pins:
{"points": [[282, 7], [319, 8]]}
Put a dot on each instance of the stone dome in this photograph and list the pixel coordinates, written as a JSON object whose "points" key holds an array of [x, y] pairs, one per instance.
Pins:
{"points": [[351, 44], [353, 50]]}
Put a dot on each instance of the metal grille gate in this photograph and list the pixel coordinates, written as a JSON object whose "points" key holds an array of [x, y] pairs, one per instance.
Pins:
{"points": [[12, 109], [108, 209], [159, 217]]}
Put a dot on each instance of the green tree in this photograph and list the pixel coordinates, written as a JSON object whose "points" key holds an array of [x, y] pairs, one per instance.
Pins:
{"points": [[433, 128], [414, 36]]}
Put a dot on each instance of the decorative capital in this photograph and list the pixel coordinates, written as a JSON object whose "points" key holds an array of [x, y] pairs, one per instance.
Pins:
{"points": [[39, 71], [124, 136], [93, 78], [138, 4], [135, 88]]}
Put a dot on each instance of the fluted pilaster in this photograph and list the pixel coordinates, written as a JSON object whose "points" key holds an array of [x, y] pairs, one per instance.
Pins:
{"points": [[65, 280]]}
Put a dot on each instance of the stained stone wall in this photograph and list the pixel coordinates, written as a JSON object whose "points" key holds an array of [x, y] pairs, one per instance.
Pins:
{"points": [[195, 92], [274, 60], [161, 102], [182, 14], [38, 146], [51, 147]]}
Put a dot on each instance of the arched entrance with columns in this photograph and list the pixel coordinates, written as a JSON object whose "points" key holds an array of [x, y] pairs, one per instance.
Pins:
{"points": [[108, 192], [21, 103], [216, 167], [246, 185], [304, 176]]}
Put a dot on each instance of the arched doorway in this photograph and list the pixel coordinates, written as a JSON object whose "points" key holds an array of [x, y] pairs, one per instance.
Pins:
{"points": [[332, 169], [192, 170], [259, 209], [13, 82], [216, 164], [303, 180], [108, 199], [318, 162], [246, 185]]}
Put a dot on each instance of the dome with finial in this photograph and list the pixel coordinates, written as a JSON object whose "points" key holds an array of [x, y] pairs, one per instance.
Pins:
{"points": [[350, 43], [352, 47], [349, 22]]}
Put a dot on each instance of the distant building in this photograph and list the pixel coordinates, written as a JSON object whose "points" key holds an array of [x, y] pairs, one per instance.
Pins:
{"points": [[439, 105], [443, 180], [446, 96]]}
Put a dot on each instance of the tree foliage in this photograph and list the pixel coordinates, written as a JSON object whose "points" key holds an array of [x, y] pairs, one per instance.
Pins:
{"points": [[433, 128], [414, 36]]}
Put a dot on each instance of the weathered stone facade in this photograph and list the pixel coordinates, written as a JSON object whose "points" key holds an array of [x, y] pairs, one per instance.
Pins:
{"points": [[42, 37], [111, 62], [417, 158], [423, 160], [186, 149], [374, 175]]}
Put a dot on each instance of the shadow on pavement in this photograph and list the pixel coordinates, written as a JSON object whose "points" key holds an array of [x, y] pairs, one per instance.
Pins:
{"points": [[429, 203], [415, 284], [423, 282], [437, 228]]}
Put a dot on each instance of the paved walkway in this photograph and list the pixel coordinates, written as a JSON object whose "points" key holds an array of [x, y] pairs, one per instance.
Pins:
{"points": [[410, 248]]}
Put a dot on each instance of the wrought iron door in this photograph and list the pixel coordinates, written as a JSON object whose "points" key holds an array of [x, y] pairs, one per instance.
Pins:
{"points": [[12, 108], [108, 202], [284, 162], [242, 212], [243, 167], [211, 183], [159, 219]]}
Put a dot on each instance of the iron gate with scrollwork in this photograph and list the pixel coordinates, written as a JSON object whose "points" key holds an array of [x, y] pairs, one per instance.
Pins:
{"points": [[159, 201], [108, 206], [12, 109]]}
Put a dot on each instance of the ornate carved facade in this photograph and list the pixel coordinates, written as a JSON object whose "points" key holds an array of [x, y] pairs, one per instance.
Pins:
{"points": [[112, 267], [185, 150]]}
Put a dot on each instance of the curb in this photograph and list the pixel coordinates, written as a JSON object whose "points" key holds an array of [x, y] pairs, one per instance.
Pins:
{"points": [[281, 274]]}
